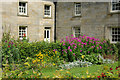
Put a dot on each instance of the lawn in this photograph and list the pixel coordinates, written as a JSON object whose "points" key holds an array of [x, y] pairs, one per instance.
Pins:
{"points": [[81, 72]]}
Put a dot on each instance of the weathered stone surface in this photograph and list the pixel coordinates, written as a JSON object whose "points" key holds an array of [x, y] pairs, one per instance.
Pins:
{"points": [[34, 21], [94, 20]]}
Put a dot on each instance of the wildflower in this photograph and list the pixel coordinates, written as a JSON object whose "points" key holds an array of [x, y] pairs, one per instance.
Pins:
{"points": [[74, 54], [88, 51], [63, 44], [111, 69], [68, 47], [81, 45], [98, 76], [82, 56], [70, 50], [54, 50], [97, 47], [80, 50], [72, 35], [100, 47], [88, 76], [8, 46], [116, 68], [87, 72], [53, 64]]}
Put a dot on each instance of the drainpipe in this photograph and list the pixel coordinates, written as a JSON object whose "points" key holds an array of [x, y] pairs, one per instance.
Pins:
{"points": [[55, 3]]}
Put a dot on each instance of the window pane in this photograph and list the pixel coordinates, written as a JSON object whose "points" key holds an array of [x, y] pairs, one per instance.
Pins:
{"points": [[45, 34]]}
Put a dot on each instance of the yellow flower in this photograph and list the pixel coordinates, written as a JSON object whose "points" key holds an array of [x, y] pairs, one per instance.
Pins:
{"points": [[88, 76], [68, 72], [82, 77], [106, 67], [107, 72], [20, 74], [27, 63], [82, 56], [34, 61], [53, 64], [87, 72], [55, 52]]}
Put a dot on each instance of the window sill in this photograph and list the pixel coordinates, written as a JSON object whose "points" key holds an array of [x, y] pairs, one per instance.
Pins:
{"points": [[47, 17], [23, 15], [76, 16], [114, 12], [114, 42]]}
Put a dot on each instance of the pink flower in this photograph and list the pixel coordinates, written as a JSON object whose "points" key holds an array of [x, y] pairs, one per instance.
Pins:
{"points": [[72, 35], [100, 47], [68, 47], [63, 44], [54, 50], [97, 47], [81, 45], [78, 44], [85, 43], [75, 47], [70, 50], [74, 54], [88, 51], [80, 50]]}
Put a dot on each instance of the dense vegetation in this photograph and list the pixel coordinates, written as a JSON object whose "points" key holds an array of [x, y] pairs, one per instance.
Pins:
{"points": [[25, 59]]}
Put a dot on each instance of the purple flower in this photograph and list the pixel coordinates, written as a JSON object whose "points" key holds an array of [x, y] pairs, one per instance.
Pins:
{"points": [[85, 43], [6, 41], [88, 51], [63, 44], [75, 47], [54, 50], [80, 50], [72, 35], [74, 54], [81, 45], [100, 47], [97, 47], [68, 47], [70, 50]]}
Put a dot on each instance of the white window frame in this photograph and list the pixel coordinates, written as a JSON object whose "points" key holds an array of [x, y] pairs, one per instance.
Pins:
{"points": [[47, 39], [78, 9], [74, 28], [111, 8], [26, 8], [21, 32], [112, 34], [45, 10]]}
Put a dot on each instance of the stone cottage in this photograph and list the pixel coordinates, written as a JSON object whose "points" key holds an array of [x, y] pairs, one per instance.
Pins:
{"points": [[95, 19], [35, 20], [51, 21]]}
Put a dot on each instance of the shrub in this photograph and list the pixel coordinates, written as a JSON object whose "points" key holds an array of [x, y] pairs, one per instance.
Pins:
{"points": [[73, 48]]}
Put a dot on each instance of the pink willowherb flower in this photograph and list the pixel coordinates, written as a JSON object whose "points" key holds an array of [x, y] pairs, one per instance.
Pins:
{"points": [[74, 54], [81, 45], [63, 44], [68, 47], [100, 47], [80, 50], [70, 50], [75, 47], [72, 35], [97, 47]]}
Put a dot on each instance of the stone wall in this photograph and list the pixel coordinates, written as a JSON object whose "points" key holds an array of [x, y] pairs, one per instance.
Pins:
{"points": [[94, 20], [34, 21]]}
